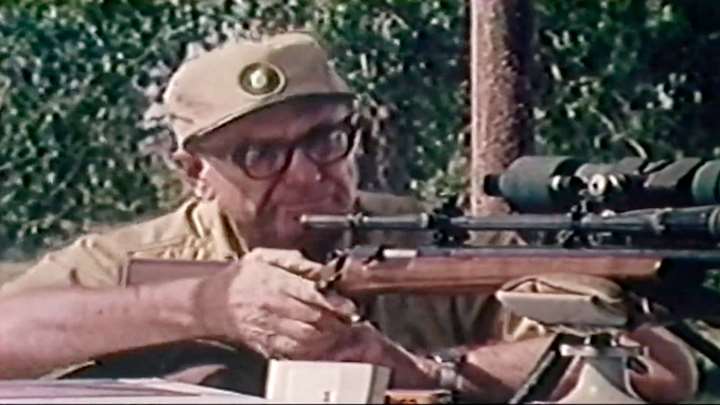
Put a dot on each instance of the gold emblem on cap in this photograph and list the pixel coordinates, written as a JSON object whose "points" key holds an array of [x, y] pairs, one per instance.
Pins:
{"points": [[260, 79]]}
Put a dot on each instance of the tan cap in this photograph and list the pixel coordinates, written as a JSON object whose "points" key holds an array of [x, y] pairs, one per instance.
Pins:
{"points": [[240, 77]]}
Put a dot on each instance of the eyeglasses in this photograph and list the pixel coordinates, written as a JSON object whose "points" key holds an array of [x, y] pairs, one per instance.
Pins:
{"points": [[325, 145]]}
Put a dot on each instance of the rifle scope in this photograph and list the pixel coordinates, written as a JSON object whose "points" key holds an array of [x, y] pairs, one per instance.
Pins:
{"points": [[547, 184]]}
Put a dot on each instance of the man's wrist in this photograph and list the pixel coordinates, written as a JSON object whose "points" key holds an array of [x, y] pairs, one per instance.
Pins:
{"points": [[206, 293]]}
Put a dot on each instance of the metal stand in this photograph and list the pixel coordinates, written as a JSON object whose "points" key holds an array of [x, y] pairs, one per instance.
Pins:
{"points": [[604, 376]]}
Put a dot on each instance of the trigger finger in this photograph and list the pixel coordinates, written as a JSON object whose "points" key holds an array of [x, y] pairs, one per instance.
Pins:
{"points": [[344, 305], [294, 262]]}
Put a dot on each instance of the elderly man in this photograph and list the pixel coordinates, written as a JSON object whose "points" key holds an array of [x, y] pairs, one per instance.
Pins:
{"points": [[264, 133]]}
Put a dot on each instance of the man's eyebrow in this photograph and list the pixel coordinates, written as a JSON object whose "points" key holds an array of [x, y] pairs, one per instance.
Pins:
{"points": [[314, 128], [325, 123], [341, 118]]}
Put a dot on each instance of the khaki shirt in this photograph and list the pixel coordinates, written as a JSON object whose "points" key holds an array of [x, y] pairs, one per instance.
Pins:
{"points": [[199, 231]]}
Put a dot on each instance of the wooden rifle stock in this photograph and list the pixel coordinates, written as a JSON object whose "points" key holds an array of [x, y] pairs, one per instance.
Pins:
{"points": [[671, 280], [146, 271], [401, 271], [477, 274], [442, 275]]}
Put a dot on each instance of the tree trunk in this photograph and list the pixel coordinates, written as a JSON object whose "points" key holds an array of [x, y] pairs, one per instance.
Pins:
{"points": [[381, 163], [501, 36]]}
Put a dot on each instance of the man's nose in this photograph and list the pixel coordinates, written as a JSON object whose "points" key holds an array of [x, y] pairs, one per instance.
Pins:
{"points": [[301, 169]]}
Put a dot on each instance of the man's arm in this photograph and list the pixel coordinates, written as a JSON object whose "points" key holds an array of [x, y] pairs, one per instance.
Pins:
{"points": [[53, 327], [253, 303], [493, 372]]}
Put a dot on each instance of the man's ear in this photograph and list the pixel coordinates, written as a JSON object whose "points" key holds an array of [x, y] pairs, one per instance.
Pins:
{"points": [[190, 170]]}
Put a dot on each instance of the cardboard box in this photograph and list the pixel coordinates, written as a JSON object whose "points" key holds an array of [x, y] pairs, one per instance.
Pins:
{"points": [[325, 382]]}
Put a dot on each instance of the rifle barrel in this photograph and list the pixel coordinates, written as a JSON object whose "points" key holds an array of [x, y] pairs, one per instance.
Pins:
{"points": [[695, 221]]}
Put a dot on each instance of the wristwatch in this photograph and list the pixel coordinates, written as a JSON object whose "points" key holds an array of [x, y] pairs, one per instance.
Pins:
{"points": [[449, 374]]}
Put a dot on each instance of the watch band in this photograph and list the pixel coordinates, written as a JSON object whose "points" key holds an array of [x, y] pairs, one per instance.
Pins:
{"points": [[449, 374]]}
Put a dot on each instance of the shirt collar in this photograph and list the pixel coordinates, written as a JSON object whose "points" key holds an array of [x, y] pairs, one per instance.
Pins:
{"points": [[211, 222]]}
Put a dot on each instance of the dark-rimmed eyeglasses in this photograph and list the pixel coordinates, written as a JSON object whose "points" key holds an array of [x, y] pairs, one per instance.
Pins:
{"points": [[325, 145]]}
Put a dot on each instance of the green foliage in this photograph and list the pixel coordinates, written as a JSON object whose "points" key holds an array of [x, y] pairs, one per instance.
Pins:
{"points": [[641, 70], [80, 81]]}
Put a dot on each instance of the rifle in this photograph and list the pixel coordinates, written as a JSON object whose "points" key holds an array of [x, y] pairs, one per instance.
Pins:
{"points": [[578, 204], [672, 280]]}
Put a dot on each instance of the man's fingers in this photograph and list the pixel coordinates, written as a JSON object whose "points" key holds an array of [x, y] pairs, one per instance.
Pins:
{"points": [[289, 260], [343, 307], [288, 337], [278, 346], [320, 318], [278, 289], [337, 301], [305, 291]]}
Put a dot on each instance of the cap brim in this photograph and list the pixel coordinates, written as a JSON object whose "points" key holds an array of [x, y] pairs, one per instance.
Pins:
{"points": [[256, 108]]}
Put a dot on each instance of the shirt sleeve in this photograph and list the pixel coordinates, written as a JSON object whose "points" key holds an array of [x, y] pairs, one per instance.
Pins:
{"points": [[88, 262]]}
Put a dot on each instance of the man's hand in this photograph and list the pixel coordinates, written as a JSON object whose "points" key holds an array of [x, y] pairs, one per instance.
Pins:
{"points": [[265, 303]]}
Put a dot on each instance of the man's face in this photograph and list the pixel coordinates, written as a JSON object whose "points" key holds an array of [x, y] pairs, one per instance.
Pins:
{"points": [[268, 168]]}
